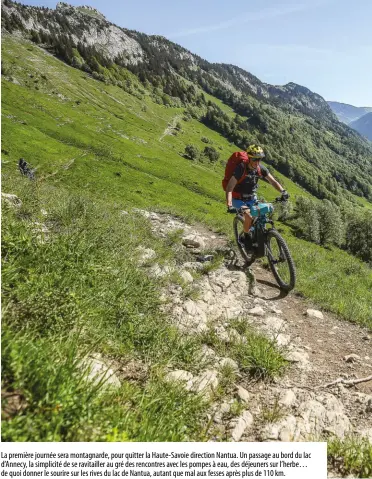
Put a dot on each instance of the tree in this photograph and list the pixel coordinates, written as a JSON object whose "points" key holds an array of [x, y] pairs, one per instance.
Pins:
{"points": [[359, 236], [331, 228], [284, 210], [307, 220]]}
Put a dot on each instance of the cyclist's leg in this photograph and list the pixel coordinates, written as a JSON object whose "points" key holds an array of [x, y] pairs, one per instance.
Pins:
{"points": [[246, 214], [248, 219]]}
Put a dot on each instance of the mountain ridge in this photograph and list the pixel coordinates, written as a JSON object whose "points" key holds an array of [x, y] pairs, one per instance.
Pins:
{"points": [[348, 113], [363, 125], [278, 117]]}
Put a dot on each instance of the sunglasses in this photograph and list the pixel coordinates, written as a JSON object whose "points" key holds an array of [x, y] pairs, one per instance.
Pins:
{"points": [[255, 159]]}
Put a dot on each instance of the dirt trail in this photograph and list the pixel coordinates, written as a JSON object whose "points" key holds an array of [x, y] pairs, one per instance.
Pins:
{"points": [[170, 128], [317, 348], [328, 340]]}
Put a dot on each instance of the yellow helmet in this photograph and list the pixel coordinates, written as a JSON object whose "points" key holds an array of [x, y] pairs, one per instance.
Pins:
{"points": [[255, 151]]}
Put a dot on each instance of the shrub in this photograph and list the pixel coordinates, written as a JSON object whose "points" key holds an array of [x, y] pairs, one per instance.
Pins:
{"points": [[211, 153], [192, 152]]}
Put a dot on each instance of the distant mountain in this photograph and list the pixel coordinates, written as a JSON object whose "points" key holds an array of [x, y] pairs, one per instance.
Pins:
{"points": [[348, 113], [363, 125]]}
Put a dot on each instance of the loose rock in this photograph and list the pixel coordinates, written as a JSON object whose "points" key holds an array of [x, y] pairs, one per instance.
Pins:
{"points": [[11, 200], [352, 358], [206, 382], [243, 394], [257, 311], [194, 241], [314, 313], [228, 362], [99, 372], [240, 425], [179, 375], [186, 276]]}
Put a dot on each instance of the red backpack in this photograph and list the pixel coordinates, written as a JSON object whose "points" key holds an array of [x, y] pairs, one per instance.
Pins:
{"points": [[235, 160]]}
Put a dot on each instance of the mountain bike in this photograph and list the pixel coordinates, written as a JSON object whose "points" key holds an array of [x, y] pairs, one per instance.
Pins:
{"points": [[266, 241]]}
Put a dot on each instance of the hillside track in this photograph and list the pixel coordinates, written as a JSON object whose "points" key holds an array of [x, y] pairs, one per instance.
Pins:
{"points": [[328, 340], [319, 346], [170, 128]]}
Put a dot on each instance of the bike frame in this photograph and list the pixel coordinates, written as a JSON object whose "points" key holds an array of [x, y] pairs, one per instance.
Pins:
{"points": [[259, 223]]}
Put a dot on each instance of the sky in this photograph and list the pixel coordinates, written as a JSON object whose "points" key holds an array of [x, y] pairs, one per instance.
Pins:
{"points": [[325, 45]]}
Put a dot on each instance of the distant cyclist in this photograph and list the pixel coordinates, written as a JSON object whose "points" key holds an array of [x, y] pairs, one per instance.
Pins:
{"points": [[243, 170]]}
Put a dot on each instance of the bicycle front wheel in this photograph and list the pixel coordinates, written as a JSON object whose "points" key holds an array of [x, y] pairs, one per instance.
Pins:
{"points": [[280, 260]]}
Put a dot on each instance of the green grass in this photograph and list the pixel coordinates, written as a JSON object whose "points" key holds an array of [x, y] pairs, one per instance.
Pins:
{"points": [[60, 405], [351, 456], [256, 355], [273, 413], [77, 290]]}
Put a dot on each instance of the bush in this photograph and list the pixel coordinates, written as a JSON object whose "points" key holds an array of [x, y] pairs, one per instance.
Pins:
{"points": [[192, 152], [211, 153], [205, 140]]}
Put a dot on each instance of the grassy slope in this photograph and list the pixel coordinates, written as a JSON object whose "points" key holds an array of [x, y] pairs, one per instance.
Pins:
{"points": [[111, 145]]}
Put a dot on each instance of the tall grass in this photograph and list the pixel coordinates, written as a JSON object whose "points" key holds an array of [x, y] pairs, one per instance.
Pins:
{"points": [[76, 289]]}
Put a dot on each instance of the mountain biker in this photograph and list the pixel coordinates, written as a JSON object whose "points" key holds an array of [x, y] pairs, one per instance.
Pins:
{"points": [[244, 184]]}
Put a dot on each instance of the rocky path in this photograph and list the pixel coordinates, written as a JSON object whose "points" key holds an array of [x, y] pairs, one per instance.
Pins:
{"points": [[170, 128], [320, 348]]}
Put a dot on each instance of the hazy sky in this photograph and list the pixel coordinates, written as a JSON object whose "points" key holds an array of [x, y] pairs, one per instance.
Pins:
{"points": [[325, 45]]}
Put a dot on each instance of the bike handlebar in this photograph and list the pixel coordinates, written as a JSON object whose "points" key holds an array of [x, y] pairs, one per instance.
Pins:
{"points": [[233, 210]]}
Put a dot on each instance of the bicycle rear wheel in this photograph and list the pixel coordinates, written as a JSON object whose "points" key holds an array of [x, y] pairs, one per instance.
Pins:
{"points": [[280, 260], [248, 256]]}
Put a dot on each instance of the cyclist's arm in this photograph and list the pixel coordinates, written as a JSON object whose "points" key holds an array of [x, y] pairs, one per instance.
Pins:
{"points": [[229, 189], [273, 182]]}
